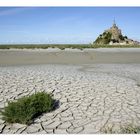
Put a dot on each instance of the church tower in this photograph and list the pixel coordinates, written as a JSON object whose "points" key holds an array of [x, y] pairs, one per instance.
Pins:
{"points": [[114, 23], [115, 31]]}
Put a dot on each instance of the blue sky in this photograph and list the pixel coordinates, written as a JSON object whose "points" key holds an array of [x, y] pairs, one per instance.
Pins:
{"points": [[65, 24]]}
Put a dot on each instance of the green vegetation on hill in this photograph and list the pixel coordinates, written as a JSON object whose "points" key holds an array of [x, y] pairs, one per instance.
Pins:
{"points": [[105, 38], [24, 110]]}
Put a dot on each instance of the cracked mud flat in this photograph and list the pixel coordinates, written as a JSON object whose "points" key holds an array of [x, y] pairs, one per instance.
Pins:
{"points": [[92, 97]]}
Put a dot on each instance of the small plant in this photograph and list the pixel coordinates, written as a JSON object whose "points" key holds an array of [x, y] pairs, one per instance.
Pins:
{"points": [[62, 48], [130, 129], [121, 37], [125, 37], [108, 130], [25, 109]]}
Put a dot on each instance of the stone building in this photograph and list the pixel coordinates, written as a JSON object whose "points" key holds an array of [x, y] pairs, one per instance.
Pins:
{"points": [[115, 31]]}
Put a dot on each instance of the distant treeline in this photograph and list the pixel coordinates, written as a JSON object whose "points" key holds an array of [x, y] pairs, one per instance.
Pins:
{"points": [[63, 46]]}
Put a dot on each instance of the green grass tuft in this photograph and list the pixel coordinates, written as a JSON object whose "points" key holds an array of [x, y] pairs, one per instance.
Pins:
{"points": [[26, 109], [130, 129]]}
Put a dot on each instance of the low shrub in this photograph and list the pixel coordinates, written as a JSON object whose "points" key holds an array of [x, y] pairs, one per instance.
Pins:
{"points": [[25, 109], [130, 129]]}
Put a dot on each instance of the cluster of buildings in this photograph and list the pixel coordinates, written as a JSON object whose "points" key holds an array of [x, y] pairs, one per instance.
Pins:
{"points": [[115, 38]]}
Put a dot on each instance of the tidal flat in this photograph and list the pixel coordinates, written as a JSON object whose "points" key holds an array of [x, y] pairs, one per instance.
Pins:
{"points": [[96, 89]]}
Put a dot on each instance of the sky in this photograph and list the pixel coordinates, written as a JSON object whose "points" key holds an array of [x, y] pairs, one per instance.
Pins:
{"points": [[65, 25]]}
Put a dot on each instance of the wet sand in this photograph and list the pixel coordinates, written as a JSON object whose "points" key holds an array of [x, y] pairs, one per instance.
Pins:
{"points": [[69, 56]]}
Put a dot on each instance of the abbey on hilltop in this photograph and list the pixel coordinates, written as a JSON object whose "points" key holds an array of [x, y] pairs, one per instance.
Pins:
{"points": [[113, 36]]}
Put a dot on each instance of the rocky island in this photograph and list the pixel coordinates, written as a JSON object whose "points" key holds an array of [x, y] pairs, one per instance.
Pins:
{"points": [[114, 36]]}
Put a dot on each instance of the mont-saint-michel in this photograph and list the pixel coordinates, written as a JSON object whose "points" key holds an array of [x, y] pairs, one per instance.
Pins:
{"points": [[114, 36], [63, 72]]}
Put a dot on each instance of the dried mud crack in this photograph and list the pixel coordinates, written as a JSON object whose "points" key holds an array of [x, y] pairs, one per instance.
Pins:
{"points": [[90, 99]]}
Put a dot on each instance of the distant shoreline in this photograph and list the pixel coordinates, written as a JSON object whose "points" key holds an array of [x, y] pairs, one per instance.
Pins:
{"points": [[63, 46], [74, 50], [69, 56]]}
